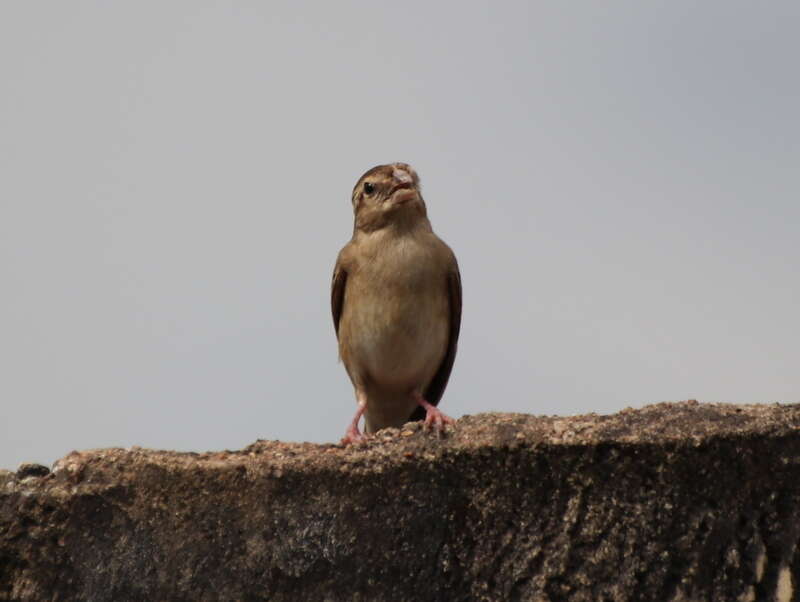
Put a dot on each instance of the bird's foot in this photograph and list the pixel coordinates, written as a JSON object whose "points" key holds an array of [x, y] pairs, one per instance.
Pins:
{"points": [[437, 419], [434, 417], [353, 435]]}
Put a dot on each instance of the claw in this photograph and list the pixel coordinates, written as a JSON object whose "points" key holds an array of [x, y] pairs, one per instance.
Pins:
{"points": [[353, 435], [434, 417]]}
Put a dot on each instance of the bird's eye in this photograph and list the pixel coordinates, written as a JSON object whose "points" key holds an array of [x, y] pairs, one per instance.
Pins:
{"points": [[369, 188]]}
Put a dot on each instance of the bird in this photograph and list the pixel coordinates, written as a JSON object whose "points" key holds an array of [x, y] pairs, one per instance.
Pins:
{"points": [[396, 305]]}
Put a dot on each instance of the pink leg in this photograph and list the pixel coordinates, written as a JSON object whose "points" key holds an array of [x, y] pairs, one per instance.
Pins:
{"points": [[434, 417], [353, 435]]}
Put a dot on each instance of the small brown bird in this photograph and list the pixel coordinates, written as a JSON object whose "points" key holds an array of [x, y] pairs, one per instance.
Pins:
{"points": [[396, 302]]}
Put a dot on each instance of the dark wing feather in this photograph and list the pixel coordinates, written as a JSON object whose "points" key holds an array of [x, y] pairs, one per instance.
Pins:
{"points": [[337, 295], [435, 390]]}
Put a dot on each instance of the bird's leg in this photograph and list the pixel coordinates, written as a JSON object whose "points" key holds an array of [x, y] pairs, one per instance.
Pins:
{"points": [[434, 417], [352, 435]]}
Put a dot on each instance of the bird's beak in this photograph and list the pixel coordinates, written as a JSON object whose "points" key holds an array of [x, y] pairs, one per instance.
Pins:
{"points": [[403, 190], [401, 176]]}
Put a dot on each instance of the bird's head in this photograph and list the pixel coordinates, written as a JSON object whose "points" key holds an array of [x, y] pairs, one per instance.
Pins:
{"points": [[388, 194]]}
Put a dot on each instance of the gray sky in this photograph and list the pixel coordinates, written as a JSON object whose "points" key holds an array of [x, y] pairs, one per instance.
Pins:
{"points": [[619, 181]]}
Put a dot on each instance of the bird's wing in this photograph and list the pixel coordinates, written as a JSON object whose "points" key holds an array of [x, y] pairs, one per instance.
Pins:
{"points": [[337, 293], [436, 388]]}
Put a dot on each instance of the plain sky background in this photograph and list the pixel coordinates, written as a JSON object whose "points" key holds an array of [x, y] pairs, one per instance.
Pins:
{"points": [[619, 181]]}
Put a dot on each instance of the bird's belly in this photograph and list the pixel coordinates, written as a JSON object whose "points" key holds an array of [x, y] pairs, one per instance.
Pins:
{"points": [[397, 344]]}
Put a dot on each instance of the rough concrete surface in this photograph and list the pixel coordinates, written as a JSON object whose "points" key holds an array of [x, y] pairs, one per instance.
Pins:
{"points": [[676, 501]]}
